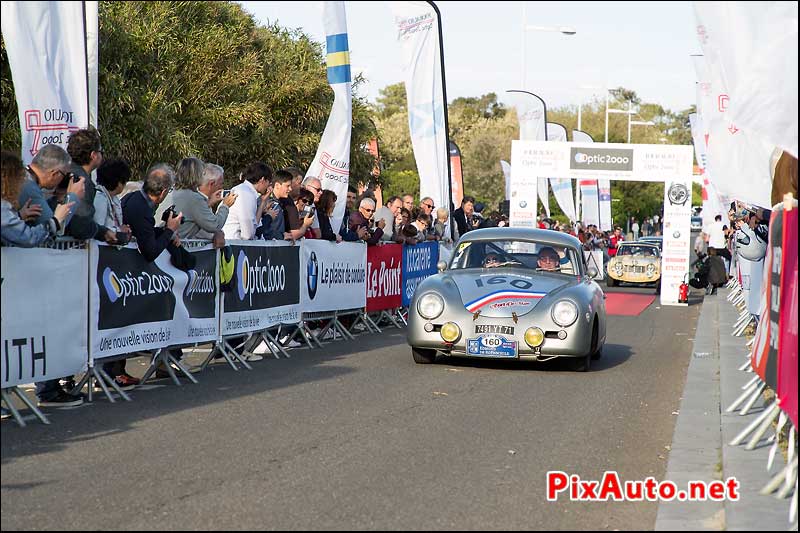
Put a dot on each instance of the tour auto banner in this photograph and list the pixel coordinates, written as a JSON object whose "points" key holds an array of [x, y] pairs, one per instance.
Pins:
{"points": [[417, 27], [265, 288], [44, 337], [334, 275], [47, 56], [384, 277], [419, 262], [787, 343], [764, 357], [140, 305], [331, 163]]}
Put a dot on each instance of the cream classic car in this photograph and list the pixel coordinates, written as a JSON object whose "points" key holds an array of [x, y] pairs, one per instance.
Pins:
{"points": [[635, 262]]}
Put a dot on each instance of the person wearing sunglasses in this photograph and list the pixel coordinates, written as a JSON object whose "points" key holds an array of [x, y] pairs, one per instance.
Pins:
{"points": [[304, 205], [361, 221]]}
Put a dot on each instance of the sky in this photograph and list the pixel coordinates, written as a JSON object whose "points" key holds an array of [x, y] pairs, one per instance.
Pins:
{"points": [[643, 46]]}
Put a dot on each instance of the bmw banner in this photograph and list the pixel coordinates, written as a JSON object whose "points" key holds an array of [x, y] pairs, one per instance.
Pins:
{"points": [[137, 305], [44, 336], [334, 275], [265, 288], [419, 262]]}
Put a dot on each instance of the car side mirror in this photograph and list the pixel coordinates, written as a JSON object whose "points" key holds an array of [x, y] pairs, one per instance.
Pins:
{"points": [[592, 272], [442, 266]]}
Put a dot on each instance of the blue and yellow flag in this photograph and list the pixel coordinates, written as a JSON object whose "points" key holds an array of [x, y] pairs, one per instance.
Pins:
{"points": [[338, 59]]}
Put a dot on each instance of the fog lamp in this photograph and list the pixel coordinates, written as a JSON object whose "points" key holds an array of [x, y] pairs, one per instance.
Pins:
{"points": [[450, 332], [534, 337]]}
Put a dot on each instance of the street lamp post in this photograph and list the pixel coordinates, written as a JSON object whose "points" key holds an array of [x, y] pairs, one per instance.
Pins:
{"points": [[566, 30], [630, 112]]}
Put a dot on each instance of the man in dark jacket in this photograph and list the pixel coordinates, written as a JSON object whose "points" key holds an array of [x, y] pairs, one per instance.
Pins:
{"points": [[361, 220], [464, 215], [138, 212]]}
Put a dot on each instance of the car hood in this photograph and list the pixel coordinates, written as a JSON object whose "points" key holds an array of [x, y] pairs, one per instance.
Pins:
{"points": [[635, 259], [501, 292]]}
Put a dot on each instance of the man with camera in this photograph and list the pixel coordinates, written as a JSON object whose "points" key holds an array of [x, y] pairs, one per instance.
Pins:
{"points": [[198, 191], [47, 170], [314, 186], [390, 214], [138, 212], [465, 216], [361, 223], [86, 151]]}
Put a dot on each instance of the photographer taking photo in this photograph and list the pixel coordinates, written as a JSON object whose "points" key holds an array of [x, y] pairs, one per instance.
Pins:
{"points": [[360, 222]]}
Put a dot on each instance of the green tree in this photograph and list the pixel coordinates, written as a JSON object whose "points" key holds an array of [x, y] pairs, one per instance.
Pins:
{"points": [[203, 79]]}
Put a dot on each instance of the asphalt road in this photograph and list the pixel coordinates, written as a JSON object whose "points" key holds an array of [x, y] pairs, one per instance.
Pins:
{"points": [[357, 436]]}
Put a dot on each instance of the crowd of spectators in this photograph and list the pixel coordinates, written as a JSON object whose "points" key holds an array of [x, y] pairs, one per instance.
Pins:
{"points": [[78, 193]]}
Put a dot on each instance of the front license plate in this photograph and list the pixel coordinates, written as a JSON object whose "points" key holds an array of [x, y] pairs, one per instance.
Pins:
{"points": [[491, 328], [492, 346]]}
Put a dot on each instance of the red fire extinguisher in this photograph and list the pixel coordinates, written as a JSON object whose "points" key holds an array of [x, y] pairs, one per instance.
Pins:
{"points": [[683, 290]]}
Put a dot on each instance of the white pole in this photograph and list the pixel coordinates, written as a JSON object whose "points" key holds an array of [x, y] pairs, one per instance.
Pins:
{"points": [[630, 112], [606, 115], [524, 41], [579, 115]]}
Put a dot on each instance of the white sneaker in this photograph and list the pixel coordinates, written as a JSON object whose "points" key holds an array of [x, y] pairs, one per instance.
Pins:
{"points": [[329, 335], [253, 357], [261, 349], [283, 339], [293, 344]]}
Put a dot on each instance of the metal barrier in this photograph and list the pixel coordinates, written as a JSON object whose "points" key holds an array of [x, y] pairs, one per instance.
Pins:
{"points": [[234, 349]]}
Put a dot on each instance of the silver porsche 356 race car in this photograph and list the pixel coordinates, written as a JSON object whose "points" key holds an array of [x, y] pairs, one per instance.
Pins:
{"points": [[510, 293]]}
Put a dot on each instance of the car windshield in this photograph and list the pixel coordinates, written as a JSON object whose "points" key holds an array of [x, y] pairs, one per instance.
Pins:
{"points": [[647, 251], [531, 255]]}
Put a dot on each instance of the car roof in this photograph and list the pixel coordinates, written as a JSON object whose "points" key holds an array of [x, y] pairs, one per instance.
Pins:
{"points": [[547, 236]]}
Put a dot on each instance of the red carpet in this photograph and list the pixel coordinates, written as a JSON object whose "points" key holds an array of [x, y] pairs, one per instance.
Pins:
{"points": [[620, 303]]}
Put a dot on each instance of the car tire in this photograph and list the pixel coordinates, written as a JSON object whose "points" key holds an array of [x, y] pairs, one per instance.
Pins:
{"points": [[611, 282], [422, 356], [597, 354], [583, 364]]}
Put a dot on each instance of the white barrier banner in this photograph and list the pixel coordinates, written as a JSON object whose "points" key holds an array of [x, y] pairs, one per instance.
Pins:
{"points": [[265, 288], [43, 337], [47, 56], [334, 275], [676, 242], [137, 305]]}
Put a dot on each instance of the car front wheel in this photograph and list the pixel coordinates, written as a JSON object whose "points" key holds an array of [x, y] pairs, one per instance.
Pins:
{"points": [[422, 356]]}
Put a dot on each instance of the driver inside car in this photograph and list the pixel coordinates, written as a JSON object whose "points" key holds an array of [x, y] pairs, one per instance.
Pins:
{"points": [[548, 260], [491, 261]]}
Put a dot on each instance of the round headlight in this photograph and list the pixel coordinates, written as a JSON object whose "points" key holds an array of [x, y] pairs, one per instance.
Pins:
{"points": [[430, 305], [650, 270], [565, 313], [534, 337], [450, 332]]}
